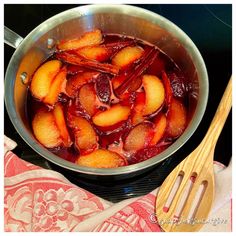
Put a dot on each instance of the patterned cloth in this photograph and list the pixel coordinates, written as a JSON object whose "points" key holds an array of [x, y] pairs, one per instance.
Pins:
{"points": [[37, 199]]}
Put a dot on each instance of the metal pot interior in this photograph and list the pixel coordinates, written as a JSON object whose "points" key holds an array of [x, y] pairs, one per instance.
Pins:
{"points": [[121, 19]]}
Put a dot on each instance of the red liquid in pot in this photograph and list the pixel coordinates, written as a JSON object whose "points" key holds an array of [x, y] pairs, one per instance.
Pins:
{"points": [[115, 137]]}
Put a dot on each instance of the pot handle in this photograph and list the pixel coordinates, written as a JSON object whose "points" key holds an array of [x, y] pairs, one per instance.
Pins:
{"points": [[11, 38]]}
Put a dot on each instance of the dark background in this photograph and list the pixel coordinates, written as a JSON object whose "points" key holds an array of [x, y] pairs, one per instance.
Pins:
{"points": [[210, 28]]}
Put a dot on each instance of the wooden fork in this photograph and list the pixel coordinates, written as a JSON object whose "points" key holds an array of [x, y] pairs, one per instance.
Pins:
{"points": [[191, 183]]}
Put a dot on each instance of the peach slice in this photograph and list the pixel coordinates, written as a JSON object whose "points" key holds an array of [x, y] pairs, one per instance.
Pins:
{"points": [[56, 87], [160, 127], [87, 39], [75, 82], [61, 124], [87, 98], [177, 118], [45, 129], [127, 55], [139, 137], [98, 53], [112, 116], [102, 159], [155, 94], [43, 77], [85, 136], [103, 52], [137, 113]]}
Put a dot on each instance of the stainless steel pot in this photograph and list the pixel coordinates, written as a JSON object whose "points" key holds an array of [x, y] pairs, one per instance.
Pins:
{"points": [[123, 19]]}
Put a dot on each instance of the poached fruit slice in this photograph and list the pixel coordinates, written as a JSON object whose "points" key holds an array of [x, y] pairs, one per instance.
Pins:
{"points": [[87, 39], [139, 104], [176, 118], [139, 137], [43, 78], [154, 93], [98, 53], [101, 158], [112, 116], [86, 139], [103, 88], [87, 98], [61, 124], [45, 129], [160, 128], [57, 86], [177, 84], [127, 56], [148, 152], [76, 81], [50, 128]]}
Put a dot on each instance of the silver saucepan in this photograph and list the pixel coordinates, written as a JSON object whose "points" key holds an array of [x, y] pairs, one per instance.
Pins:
{"points": [[123, 19]]}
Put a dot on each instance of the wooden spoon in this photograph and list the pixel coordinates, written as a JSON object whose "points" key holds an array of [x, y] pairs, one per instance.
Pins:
{"points": [[193, 179]]}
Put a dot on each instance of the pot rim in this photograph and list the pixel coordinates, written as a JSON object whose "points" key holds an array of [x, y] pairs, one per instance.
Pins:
{"points": [[128, 10]]}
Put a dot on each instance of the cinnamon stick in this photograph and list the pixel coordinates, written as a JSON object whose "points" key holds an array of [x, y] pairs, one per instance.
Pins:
{"points": [[148, 58]]}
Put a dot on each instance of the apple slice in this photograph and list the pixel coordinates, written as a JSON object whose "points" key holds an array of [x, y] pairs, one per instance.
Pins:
{"points": [[139, 137], [56, 87], [127, 56], [112, 116], [177, 118], [102, 159], [155, 94], [45, 129], [61, 124], [160, 127], [43, 77], [137, 113], [85, 137], [76, 81], [98, 53], [87, 39], [87, 98]]}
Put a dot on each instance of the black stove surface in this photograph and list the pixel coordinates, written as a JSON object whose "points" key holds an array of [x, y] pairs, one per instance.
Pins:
{"points": [[210, 28]]}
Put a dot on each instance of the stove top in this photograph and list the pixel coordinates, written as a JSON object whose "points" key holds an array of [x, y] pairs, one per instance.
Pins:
{"points": [[209, 26]]}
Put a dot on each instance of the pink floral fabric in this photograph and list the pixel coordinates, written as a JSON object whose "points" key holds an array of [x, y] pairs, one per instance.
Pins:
{"points": [[136, 217], [37, 200], [41, 200]]}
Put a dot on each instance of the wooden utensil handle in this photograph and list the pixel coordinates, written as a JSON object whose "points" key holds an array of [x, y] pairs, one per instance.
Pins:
{"points": [[219, 119]]}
